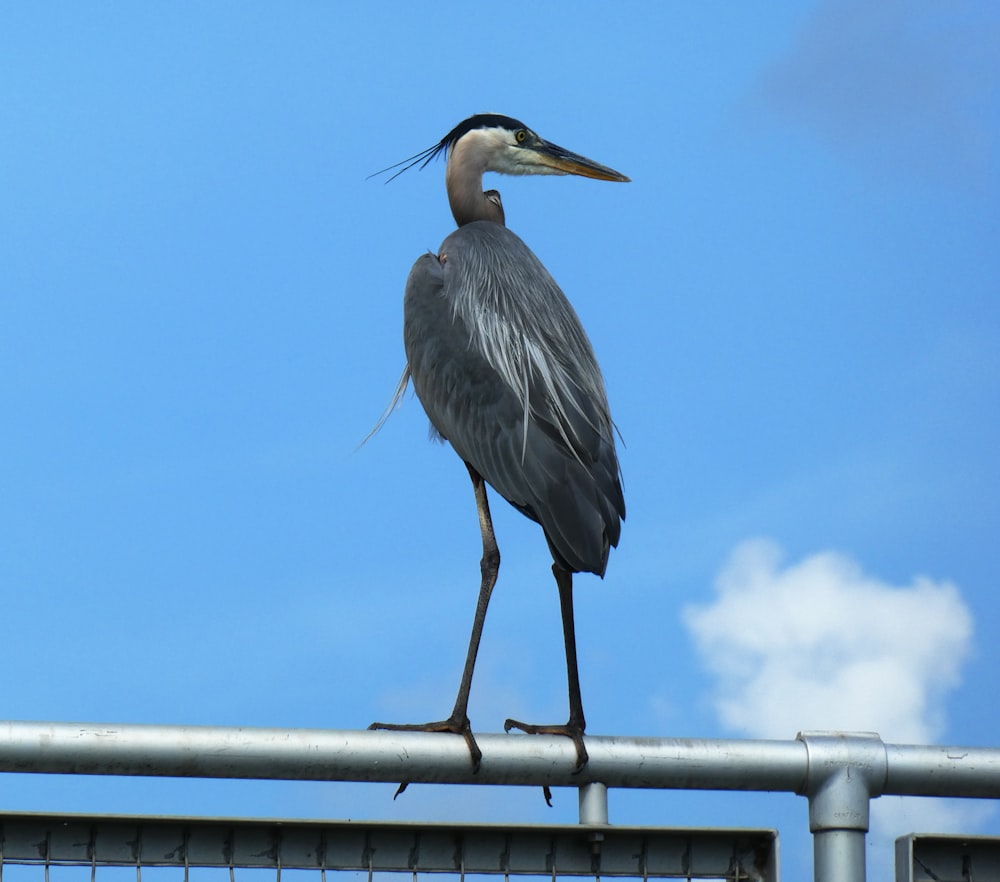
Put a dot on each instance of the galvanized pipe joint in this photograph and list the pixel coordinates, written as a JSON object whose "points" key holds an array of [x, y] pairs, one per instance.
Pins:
{"points": [[843, 774]]}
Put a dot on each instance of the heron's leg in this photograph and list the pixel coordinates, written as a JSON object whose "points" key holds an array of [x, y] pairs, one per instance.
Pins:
{"points": [[489, 566], [576, 724]]}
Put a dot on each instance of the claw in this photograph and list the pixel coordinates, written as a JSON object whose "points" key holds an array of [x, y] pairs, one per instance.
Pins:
{"points": [[454, 725], [570, 730]]}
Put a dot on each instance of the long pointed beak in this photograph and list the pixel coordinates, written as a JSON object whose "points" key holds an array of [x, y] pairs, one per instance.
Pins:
{"points": [[565, 162]]}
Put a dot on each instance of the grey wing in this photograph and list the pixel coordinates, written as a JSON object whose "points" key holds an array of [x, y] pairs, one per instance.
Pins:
{"points": [[556, 464]]}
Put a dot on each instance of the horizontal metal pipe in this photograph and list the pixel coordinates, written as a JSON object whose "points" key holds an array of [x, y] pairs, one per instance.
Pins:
{"points": [[344, 755], [924, 770]]}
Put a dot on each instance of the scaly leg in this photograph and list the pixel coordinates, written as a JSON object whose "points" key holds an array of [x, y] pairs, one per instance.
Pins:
{"points": [[458, 722], [576, 724]]}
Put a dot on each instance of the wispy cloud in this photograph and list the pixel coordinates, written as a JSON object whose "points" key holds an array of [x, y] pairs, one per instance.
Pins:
{"points": [[820, 644], [896, 82]]}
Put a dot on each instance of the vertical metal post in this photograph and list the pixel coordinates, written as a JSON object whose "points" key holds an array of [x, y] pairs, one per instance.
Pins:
{"points": [[839, 856], [594, 803], [843, 774]]}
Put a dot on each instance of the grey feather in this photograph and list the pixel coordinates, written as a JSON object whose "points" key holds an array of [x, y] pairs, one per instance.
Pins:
{"points": [[506, 374]]}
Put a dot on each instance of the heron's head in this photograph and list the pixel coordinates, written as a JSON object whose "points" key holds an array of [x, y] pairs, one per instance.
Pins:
{"points": [[490, 142]]}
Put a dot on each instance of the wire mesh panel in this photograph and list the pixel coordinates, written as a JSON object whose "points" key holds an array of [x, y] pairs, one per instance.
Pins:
{"points": [[44, 847], [923, 858]]}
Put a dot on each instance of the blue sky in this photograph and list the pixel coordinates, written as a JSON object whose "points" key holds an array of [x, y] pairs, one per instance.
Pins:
{"points": [[796, 304]]}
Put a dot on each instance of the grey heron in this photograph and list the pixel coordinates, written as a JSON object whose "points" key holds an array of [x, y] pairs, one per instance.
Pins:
{"points": [[507, 375]]}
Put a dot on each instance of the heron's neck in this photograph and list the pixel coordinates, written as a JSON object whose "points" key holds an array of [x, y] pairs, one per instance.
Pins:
{"points": [[464, 180]]}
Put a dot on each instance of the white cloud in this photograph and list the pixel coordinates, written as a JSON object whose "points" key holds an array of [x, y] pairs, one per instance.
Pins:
{"points": [[819, 644]]}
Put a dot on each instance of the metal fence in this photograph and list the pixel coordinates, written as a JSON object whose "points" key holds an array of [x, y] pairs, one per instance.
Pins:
{"points": [[368, 850], [838, 773]]}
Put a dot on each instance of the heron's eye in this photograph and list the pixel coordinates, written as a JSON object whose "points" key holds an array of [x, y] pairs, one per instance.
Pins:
{"points": [[520, 135]]}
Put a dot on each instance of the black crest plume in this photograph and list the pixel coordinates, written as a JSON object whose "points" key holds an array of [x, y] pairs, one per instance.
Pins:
{"points": [[479, 121]]}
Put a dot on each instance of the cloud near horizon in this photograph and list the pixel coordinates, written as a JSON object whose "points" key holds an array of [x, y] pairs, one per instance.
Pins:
{"points": [[819, 644]]}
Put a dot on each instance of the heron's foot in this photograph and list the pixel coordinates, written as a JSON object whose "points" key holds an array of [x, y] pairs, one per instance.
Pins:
{"points": [[572, 730], [458, 725]]}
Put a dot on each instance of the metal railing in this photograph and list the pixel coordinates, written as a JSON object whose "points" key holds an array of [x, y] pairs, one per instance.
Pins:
{"points": [[377, 848], [838, 773]]}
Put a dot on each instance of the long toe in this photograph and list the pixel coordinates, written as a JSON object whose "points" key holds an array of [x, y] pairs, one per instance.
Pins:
{"points": [[571, 730], [453, 725]]}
